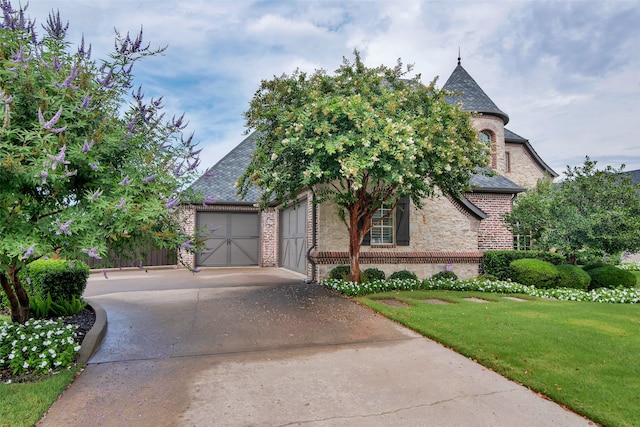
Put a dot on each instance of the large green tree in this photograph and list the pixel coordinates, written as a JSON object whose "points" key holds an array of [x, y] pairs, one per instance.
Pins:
{"points": [[87, 165], [362, 138], [590, 210]]}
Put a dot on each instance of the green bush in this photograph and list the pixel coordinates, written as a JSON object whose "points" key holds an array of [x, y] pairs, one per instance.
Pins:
{"points": [[498, 263], [340, 272], [572, 276], [611, 277], [486, 277], [371, 274], [594, 265], [445, 275], [403, 275], [43, 308], [62, 279], [534, 272]]}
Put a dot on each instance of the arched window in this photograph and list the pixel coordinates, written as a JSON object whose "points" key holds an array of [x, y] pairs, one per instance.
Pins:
{"points": [[488, 137]]}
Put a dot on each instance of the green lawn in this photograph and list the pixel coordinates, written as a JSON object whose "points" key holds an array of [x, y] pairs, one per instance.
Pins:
{"points": [[583, 355]]}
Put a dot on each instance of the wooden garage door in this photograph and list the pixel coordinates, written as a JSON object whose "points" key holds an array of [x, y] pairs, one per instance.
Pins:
{"points": [[233, 239], [293, 238]]}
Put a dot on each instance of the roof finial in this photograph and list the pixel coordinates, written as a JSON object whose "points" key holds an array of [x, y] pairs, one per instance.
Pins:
{"points": [[459, 55]]}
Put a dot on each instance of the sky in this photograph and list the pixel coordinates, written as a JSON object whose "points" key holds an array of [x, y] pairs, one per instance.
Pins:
{"points": [[566, 72]]}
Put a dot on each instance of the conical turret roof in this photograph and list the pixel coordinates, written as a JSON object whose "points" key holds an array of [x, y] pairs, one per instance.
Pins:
{"points": [[469, 93]]}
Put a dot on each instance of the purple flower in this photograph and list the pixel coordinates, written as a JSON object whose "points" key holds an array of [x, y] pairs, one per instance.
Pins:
{"points": [[28, 280], [85, 103], [63, 228], [43, 174], [67, 83], [94, 166], [97, 194], [187, 244], [92, 253], [48, 125], [72, 264], [28, 252], [122, 204], [150, 178], [208, 200], [59, 158], [171, 203], [72, 173], [87, 146], [125, 181]]}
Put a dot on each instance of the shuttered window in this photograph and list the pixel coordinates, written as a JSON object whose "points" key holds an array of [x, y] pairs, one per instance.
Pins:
{"points": [[396, 227]]}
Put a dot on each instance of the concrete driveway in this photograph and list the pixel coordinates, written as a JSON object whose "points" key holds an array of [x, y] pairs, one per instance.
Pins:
{"points": [[258, 347]]}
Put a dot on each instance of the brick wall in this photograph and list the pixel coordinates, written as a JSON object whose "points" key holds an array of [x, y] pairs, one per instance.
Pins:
{"points": [[492, 233]]}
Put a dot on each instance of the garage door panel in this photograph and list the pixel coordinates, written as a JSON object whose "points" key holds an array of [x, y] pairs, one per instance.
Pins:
{"points": [[233, 239], [293, 238]]}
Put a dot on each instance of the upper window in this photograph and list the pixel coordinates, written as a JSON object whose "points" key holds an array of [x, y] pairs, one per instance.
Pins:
{"points": [[382, 229], [507, 161], [485, 136]]}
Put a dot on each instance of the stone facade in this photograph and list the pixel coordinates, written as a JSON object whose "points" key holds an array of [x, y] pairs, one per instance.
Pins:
{"points": [[525, 171], [269, 233], [494, 126]]}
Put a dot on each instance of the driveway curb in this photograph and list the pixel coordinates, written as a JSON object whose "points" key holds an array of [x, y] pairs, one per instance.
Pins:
{"points": [[94, 337]]}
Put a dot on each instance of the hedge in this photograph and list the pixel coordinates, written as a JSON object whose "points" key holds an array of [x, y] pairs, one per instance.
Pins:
{"points": [[497, 263], [60, 278], [534, 272]]}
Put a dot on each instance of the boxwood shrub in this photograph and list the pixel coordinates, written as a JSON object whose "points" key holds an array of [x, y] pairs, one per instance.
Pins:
{"points": [[62, 279], [371, 274], [572, 276], [534, 272], [611, 277], [445, 275], [403, 275], [340, 272], [497, 263]]}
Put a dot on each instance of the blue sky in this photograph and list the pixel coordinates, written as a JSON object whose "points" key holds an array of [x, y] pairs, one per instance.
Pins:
{"points": [[566, 72]]}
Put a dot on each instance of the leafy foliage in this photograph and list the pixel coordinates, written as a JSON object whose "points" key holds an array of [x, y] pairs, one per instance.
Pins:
{"points": [[362, 138], [371, 274], [61, 279], [534, 272], [497, 262], [340, 272], [611, 277], [591, 210], [46, 307], [403, 275], [572, 276], [87, 164]]}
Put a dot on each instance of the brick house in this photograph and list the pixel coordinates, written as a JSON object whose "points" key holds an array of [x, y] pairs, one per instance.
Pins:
{"points": [[310, 239]]}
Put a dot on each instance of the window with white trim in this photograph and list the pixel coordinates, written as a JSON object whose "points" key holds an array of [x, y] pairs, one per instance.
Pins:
{"points": [[383, 229]]}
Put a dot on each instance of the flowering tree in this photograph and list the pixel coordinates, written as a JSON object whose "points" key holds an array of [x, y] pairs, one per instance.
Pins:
{"points": [[593, 211], [363, 138], [82, 170]]}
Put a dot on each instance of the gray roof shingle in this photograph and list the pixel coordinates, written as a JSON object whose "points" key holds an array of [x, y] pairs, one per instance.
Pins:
{"points": [[469, 93], [219, 181], [487, 181]]}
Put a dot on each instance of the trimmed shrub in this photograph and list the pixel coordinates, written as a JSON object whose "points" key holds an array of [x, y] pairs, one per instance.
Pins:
{"points": [[498, 263], [403, 275], [487, 277], [534, 272], [572, 276], [61, 279], [611, 277], [371, 274], [445, 275], [594, 265], [340, 272]]}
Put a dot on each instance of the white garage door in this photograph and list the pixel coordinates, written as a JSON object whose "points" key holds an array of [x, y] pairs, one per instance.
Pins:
{"points": [[233, 239], [293, 237]]}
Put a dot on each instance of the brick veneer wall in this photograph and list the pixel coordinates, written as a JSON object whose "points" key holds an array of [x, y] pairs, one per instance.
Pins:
{"points": [[492, 233]]}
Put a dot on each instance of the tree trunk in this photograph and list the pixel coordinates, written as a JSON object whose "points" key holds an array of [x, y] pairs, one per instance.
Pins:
{"points": [[17, 295], [355, 242]]}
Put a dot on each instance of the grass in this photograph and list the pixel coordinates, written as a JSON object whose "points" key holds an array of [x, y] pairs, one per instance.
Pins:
{"points": [[23, 404], [580, 354]]}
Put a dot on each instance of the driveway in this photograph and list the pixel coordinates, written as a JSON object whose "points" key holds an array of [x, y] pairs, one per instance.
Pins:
{"points": [[258, 347]]}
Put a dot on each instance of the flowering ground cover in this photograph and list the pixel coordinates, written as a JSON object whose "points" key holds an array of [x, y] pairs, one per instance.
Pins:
{"points": [[580, 349]]}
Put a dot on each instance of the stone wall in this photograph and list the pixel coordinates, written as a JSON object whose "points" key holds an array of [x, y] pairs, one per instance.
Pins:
{"points": [[187, 215], [269, 241], [494, 125], [525, 170]]}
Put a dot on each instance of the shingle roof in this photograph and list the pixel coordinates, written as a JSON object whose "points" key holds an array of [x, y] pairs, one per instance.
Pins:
{"points": [[469, 93], [487, 181], [219, 181], [635, 175]]}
